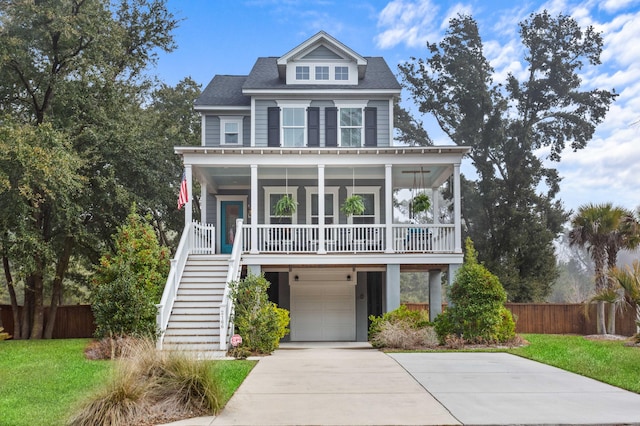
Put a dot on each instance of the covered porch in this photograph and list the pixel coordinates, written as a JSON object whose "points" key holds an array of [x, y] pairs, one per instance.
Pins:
{"points": [[244, 183]]}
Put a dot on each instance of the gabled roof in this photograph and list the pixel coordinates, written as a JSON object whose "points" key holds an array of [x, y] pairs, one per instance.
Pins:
{"points": [[234, 91], [265, 76], [224, 90], [325, 40]]}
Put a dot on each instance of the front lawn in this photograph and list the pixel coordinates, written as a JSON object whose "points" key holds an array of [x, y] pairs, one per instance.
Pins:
{"points": [[608, 361], [42, 380]]}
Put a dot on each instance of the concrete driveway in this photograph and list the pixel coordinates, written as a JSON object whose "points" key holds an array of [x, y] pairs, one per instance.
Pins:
{"points": [[361, 386]]}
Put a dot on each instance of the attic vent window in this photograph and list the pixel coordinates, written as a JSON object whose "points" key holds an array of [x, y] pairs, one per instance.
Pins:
{"points": [[302, 73], [322, 73], [342, 73]]}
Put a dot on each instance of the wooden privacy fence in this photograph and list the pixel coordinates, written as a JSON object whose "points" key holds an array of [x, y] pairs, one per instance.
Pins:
{"points": [[72, 321], [553, 318], [544, 318]]}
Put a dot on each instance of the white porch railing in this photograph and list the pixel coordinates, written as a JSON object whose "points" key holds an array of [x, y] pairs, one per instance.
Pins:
{"points": [[429, 238], [198, 239], [233, 274], [343, 238]]}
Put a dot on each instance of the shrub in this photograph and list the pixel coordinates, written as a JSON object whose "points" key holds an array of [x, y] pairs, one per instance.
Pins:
{"points": [[477, 312], [122, 308], [260, 322], [416, 319], [401, 328], [403, 335], [129, 282]]}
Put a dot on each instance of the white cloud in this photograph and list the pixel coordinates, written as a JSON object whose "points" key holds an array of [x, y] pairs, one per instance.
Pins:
{"points": [[613, 6], [454, 11], [409, 22]]}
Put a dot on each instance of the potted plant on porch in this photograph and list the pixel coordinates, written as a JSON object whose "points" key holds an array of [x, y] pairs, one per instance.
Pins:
{"points": [[420, 203], [286, 206], [353, 205]]}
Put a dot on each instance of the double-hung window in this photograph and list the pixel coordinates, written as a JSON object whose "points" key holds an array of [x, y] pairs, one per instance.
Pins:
{"points": [[231, 131], [293, 127], [350, 127]]}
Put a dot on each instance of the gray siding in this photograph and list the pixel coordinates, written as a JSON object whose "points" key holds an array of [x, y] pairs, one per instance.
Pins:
{"points": [[212, 131], [322, 52], [261, 121], [383, 121]]}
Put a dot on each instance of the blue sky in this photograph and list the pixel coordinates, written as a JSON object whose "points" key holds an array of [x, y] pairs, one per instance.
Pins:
{"points": [[226, 37]]}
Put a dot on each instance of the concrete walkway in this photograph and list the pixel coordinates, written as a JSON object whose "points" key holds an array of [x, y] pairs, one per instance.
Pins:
{"points": [[361, 386]]}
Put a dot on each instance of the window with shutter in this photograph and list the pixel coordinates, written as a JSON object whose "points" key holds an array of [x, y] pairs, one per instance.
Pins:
{"points": [[273, 126]]}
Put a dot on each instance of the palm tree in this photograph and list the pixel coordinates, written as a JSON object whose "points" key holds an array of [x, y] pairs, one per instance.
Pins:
{"points": [[628, 278], [603, 230]]}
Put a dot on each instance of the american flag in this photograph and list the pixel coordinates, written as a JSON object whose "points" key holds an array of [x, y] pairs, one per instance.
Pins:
{"points": [[183, 198]]}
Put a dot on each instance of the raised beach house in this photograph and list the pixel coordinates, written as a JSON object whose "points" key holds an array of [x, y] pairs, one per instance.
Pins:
{"points": [[316, 125]]}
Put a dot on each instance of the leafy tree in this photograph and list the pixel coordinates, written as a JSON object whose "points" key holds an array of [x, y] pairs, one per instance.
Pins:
{"points": [[409, 131], [477, 312], [512, 221], [129, 282], [40, 180], [73, 68]]}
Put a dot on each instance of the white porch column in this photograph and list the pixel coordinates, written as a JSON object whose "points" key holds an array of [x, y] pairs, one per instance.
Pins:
{"points": [[435, 204], [435, 293], [457, 210], [203, 203], [254, 209], [321, 221], [388, 207], [188, 207]]}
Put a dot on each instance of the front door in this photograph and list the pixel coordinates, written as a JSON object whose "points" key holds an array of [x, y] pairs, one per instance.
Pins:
{"points": [[229, 212]]}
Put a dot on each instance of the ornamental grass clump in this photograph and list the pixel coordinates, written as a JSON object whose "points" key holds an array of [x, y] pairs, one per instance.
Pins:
{"points": [[152, 387], [477, 313]]}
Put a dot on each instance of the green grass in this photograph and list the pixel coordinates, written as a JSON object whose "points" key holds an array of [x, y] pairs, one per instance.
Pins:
{"points": [[230, 375], [608, 361], [42, 381]]}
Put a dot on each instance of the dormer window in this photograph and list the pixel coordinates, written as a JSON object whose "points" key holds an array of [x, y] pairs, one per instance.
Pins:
{"points": [[322, 73], [302, 73], [342, 73]]}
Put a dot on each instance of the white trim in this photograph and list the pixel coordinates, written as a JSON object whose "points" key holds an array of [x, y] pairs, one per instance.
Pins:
{"points": [[203, 129], [231, 119], [334, 190], [375, 190], [269, 190]]}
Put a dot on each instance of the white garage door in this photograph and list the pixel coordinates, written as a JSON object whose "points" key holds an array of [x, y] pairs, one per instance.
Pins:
{"points": [[323, 312]]}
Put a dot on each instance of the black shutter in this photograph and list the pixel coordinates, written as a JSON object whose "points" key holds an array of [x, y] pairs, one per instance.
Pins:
{"points": [[313, 126], [331, 126], [371, 126], [273, 126]]}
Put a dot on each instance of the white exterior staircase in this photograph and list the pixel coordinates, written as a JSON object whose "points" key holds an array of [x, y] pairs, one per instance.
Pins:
{"points": [[194, 322]]}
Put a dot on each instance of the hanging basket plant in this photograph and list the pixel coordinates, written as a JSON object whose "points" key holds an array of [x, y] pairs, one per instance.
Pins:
{"points": [[420, 203], [353, 205], [286, 206]]}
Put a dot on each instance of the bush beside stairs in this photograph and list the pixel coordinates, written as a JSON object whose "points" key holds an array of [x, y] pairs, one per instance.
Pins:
{"points": [[194, 324]]}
